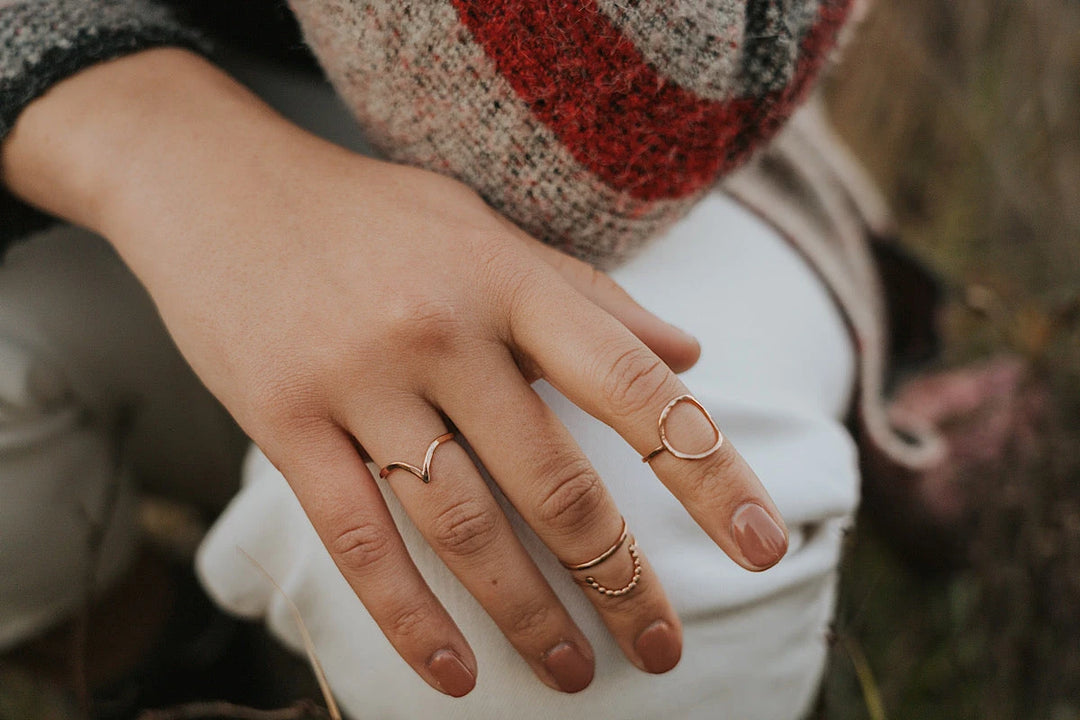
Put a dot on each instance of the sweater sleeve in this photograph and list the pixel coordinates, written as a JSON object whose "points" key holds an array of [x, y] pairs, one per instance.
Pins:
{"points": [[44, 41]]}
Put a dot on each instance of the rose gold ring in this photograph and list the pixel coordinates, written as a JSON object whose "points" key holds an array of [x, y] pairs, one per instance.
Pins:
{"points": [[424, 473], [665, 444], [634, 556]]}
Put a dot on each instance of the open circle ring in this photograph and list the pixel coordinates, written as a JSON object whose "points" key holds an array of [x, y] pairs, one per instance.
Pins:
{"points": [[665, 444]]}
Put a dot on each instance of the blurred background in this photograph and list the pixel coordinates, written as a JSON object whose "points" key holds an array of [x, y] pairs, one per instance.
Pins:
{"points": [[967, 112]]}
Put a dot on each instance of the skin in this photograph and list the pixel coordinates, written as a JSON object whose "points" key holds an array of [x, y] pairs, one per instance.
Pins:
{"points": [[334, 302]]}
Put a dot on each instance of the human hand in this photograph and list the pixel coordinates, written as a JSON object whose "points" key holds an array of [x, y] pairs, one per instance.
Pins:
{"points": [[332, 301]]}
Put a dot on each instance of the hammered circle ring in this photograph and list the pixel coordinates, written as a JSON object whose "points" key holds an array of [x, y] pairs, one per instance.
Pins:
{"points": [[423, 473], [665, 443]]}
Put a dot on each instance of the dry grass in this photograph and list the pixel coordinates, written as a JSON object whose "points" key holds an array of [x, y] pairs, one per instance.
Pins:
{"points": [[968, 113]]}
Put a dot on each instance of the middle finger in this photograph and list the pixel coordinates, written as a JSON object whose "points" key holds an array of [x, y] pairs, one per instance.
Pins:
{"points": [[547, 477]]}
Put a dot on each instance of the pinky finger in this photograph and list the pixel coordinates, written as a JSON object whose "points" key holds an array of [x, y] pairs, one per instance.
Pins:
{"points": [[344, 504]]}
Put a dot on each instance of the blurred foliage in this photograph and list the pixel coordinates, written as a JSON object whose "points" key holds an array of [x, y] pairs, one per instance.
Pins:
{"points": [[967, 112]]}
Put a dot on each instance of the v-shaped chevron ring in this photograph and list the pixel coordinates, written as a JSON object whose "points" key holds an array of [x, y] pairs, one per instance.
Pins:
{"points": [[634, 556], [425, 473], [665, 444]]}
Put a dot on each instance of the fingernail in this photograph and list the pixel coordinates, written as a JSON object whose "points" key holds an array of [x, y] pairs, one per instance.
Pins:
{"points": [[759, 538], [571, 669], [658, 647], [450, 672]]}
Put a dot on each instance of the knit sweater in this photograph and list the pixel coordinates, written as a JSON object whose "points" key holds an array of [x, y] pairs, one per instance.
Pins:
{"points": [[592, 124]]}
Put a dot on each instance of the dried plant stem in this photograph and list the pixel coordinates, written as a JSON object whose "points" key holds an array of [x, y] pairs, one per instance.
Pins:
{"points": [[871, 696], [309, 646]]}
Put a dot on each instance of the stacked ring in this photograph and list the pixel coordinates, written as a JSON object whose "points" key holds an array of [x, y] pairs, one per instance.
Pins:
{"points": [[634, 556]]}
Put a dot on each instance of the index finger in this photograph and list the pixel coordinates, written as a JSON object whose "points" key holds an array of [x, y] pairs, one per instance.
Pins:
{"points": [[605, 370]]}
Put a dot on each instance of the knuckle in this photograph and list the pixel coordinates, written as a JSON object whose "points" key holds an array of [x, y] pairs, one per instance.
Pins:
{"points": [[575, 494], [409, 621], [492, 250], [498, 264], [360, 547], [464, 528], [716, 479], [523, 288], [290, 400], [531, 621], [416, 321], [634, 381]]}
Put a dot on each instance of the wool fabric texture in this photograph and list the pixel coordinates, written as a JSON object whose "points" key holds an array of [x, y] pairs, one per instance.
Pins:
{"points": [[593, 124]]}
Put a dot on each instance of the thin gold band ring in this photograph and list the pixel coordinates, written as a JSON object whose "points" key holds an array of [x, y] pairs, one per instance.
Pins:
{"points": [[635, 557]]}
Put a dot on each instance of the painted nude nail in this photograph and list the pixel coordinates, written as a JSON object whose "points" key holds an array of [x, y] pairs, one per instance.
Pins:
{"points": [[658, 647], [571, 669], [450, 673], [760, 539]]}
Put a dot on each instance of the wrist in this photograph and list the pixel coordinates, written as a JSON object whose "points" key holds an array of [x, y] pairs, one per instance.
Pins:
{"points": [[101, 144]]}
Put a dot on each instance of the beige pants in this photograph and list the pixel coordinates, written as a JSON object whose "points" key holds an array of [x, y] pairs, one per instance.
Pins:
{"points": [[92, 394]]}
